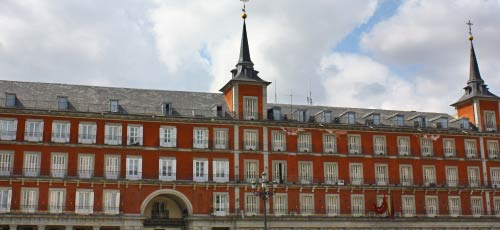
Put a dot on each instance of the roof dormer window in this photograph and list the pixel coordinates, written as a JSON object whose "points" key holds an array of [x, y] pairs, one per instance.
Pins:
{"points": [[442, 123], [62, 103], [327, 116], [351, 117], [275, 114], [302, 115], [419, 121], [10, 99], [114, 106], [166, 108]]}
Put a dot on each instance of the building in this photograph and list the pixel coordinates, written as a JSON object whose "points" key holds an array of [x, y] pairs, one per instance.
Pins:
{"points": [[86, 157]]}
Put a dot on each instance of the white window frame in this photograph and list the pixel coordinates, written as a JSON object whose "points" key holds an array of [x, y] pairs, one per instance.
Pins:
{"points": [[470, 148], [29, 200], [220, 169], [280, 204], [305, 169], [6, 163], [427, 147], [221, 138], [495, 177], [111, 202], [332, 204], [134, 134], [474, 176], [429, 175], [452, 176], [168, 136], [84, 206], [112, 166], [380, 199], [60, 131], [356, 173], [8, 129], [306, 204], [404, 146], [251, 204], [251, 139], [381, 174], [379, 145], [406, 174], [304, 142], [432, 206], [87, 132], [167, 169], [496, 206], [449, 149], [280, 166], [476, 206], [331, 172], [134, 167], [31, 164], [357, 205], [221, 203], [113, 134], [329, 143], [250, 108], [57, 200], [5, 199], [86, 165], [354, 144], [493, 149], [200, 174], [58, 164], [454, 207], [251, 170], [490, 122], [408, 205], [33, 130], [200, 138], [278, 140]]}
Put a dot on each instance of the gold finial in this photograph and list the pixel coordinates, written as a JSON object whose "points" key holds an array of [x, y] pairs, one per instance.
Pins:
{"points": [[469, 23], [244, 15]]}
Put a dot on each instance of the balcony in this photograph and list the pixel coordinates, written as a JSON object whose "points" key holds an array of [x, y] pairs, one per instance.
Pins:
{"points": [[7, 135]]}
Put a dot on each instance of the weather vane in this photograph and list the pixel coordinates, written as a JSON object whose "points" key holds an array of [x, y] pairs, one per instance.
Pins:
{"points": [[469, 23], [244, 15]]}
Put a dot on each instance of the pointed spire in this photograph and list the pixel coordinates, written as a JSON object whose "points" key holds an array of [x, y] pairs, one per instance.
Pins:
{"points": [[474, 74], [244, 49]]}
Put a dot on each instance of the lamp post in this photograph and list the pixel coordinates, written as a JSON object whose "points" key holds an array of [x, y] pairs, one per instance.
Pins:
{"points": [[265, 185]]}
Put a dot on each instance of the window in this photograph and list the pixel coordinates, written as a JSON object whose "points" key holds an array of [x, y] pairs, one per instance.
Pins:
{"points": [[493, 149], [490, 121], [31, 164], [251, 170], [200, 138], [356, 172], [449, 147], [304, 142], [408, 206], [220, 139], [305, 172], [59, 164], [399, 120], [276, 112], [429, 175], [379, 146], [87, 133], [6, 163], [168, 136], [327, 116], [406, 175], [84, 201], [331, 173], [381, 174], [306, 204], [404, 146], [29, 200], [358, 205], [111, 203], [380, 200], [85, 166], [473, 173], [159, 211], [166, 108], [354, 144], [10, 100], [332, 205], [454, 206], [250, 139], [220, 170], [250, 110], [200, 170], [114, 106], [134, 167], [376, 119], [496, 207], [329, 143], [221, 204], [113, 134], [62, 103], [302, 115], [8, 129], [431, 206], [420, 122], [426, 147], [251, 204], [470, 149], [280, 204], [452, 176], [168, 169], [476, 205], [112, 166], [279, 171], [60, 131], [34, 130], [57, 199], [134, 133], [495, 177], [5, 199], [278, 140], [464, 123], [351, 118], [443, 122]]}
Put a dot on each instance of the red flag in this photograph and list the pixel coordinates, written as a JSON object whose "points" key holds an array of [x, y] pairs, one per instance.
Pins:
{"points": [[382, 208]]}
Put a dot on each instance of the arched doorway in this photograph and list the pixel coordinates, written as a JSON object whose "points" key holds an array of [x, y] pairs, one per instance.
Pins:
{"points": [[166, 209]]}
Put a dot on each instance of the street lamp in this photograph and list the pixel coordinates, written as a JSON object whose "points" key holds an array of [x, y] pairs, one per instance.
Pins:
{"points": [[265, 184]]}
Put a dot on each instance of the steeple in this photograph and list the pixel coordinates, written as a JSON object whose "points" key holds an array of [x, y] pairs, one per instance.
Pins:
{"points": [[475, 85], [244, 49]]}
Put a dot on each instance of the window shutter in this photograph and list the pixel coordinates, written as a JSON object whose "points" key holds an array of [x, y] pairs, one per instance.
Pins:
{"points": [[162, 136], [54, 124], [68, 128], [94, 133], [194, 168], [174, 168], [120, 134], [80, 132], [194, 138], [91, 202], [128, 135], [117, 202], [15, 126], [9, 198], [141, 138], [139, 168], [214, 170], [40, 137], [205, 169], [173, 137], [226, 169], [77, 200]]}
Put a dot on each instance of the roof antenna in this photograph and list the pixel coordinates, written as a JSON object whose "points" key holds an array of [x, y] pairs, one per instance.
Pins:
{"points": [[275, 92], [291, 103], [309, 98]]}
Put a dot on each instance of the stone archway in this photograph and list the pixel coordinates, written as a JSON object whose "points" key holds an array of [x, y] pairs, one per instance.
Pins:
{"points": [[166, 209]]}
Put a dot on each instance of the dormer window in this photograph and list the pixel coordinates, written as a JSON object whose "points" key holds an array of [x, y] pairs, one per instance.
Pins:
{"points": [[10, 99], [114, 106], [443, 123], [276, 113], [302, 115], [399, 120], [464, 123], [327, 116], [62, 103], [166, 108], [218, 111], [250, 108], [420, 122], [373, 119], [351, 117]]}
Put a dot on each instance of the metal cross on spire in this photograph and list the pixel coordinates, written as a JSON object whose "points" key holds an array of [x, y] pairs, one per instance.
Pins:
{"points": [[244, 5], [469, 23]]}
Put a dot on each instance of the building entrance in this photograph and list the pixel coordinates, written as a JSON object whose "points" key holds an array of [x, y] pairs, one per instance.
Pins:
{"points": [[165, 212]]}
